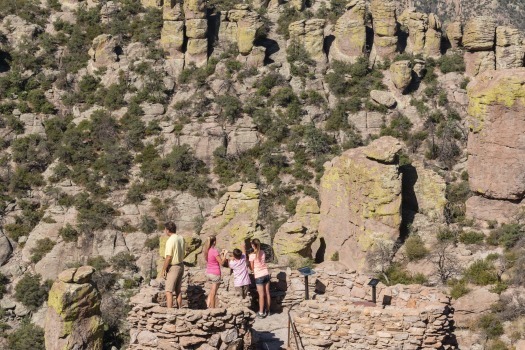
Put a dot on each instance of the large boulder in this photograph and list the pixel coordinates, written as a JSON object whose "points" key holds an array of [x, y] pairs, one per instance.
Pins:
{"points": [[509, 48], [401, 74], [294, 238], [246, 24], [104, 50], [479, 34], [310, 33], [496, 142], [172, 38], [468, 308], [454, 33], [234, 219], [360, 194], [5, 248], [73, 319], [385, 29], [350, 33]]}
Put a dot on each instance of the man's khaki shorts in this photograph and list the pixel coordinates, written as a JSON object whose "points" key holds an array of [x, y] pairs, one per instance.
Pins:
{"points": [[174, 278]]}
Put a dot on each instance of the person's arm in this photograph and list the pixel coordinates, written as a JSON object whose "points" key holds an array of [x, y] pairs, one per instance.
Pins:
{"points": [[167, 262], [221, 258], [252, 265]]}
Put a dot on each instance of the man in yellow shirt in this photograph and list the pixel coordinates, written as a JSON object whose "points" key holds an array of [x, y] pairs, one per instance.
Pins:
{"points": [[173, 268]]}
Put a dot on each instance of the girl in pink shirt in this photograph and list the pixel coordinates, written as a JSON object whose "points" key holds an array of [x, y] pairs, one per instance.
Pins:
{"points": [[262, 277], [213, 268]]}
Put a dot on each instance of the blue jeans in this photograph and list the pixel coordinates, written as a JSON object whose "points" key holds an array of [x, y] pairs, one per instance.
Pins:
{"points": [[262, 280]]}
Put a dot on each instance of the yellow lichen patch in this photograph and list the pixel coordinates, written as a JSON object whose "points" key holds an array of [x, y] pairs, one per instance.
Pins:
{"points": [[505, 91]]}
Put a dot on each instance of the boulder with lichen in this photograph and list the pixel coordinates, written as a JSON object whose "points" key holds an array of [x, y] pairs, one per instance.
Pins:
{"points": [[350, 33]]}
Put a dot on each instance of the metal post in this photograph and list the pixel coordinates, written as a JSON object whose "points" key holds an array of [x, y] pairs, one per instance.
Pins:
{"points": [[374, 294], [306, 295]]}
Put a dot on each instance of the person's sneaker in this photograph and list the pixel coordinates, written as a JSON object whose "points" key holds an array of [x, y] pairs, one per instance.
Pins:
{"points": [[260, 315]]}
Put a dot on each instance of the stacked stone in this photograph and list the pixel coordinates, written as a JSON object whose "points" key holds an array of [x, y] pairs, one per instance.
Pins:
{"points": [[350, 33], [424, 33], [339, 325], [479, 35], [385, 29], [196, 31], [310, 34], [156, 327], [240, 26]]}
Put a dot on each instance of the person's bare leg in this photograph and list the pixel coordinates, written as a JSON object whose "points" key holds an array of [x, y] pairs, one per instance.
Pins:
{"points": [[267, 295], [211, 297], [169, 300], [260, 291], [179, 300]]}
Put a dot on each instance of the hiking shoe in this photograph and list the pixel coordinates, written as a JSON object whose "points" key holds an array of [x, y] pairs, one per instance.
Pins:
{"points": [[260, 315]]}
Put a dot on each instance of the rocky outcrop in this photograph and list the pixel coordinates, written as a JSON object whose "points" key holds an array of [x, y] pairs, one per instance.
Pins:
{"points": [[310, 34], [479, 61], [350, 33], [73, 318], [509, 48], [196, 29], [496, 162], [360, 195], [468, 308], [172, 34], [485, 209], [384, 98], [234, 219], [479, 34], [429, 191], [401, 74], [367, 122], [5, 248], [454, 33], [424, 33], [385, 29], [18, 30], [240, 26], [103, 51], [294, 238]]}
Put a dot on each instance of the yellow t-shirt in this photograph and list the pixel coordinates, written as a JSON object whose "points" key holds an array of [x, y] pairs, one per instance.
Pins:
{"points": [[175, 248]]}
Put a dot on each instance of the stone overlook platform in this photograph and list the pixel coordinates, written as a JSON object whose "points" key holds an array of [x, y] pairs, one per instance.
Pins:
{"points": [[339, 314]]}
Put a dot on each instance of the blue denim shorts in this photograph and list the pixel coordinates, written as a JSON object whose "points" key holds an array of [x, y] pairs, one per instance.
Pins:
{"points": [[262, 280]]}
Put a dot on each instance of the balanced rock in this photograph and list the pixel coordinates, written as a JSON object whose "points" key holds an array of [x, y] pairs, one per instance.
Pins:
{"points": [[350, 33], [509, 48], [103, 51], [73, 318], [360, 201], [310, 33], [401, 74], [496, 142], [417, 24], [295, 237], [433, 37], [384, 98], [479, 34], [385, 29], [454, 32], [234, 219]]}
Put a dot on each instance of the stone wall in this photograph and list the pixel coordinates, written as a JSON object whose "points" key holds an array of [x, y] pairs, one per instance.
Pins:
{"points": [[153, 326]]}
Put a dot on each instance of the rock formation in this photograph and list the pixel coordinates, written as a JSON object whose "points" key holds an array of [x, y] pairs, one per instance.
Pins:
{"points": [[509, 48], [360, 195], [478, 39], [5, 248], [73, 318], [104, 50], [385, 29], [196, 30], [424, 33], [239, 26], [234, 219], [384, 98], [454, 33], [294, 238], [350, 33], [401, 74], [496, 162], [310, 34], [429, 190]]}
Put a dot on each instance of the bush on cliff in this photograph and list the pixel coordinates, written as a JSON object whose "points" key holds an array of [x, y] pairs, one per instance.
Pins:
{"points": [[27, 336], [42, 247], [30, 292], [415, 248]]}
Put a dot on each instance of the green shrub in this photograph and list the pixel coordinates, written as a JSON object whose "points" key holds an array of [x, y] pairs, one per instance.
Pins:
{"points": [[457, 194], [415, 248], [30, 292], [43, 246], [458, 288], [482, 273], [397, 274], [124, 261], [148, 224], [231, 107], [451, 63], [3, 283], [507, 235], [491, 325], [471, 237], [92, 214], [152, 243], [447, 235], [497, 344], [68, 233], [27, 336], [98, 262], [335, 256]]}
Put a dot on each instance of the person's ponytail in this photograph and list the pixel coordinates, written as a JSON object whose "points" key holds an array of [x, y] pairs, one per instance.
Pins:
{"points": [[210, 241], [257, 248]]}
